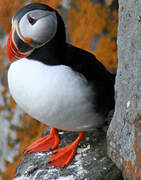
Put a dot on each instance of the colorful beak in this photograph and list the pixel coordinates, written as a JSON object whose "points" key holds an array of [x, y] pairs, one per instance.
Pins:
{"points": [[16, 47], [12, 50]]}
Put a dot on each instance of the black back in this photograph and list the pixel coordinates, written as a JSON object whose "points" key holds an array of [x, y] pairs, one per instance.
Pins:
{"points": [[97, 75]]}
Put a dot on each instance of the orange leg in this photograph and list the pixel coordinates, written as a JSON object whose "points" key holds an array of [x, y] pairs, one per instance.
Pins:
{"points": [[44, 144], [63, 156]]}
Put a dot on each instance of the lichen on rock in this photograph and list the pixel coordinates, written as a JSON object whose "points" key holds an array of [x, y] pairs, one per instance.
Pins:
{"points": [[91, 161]]}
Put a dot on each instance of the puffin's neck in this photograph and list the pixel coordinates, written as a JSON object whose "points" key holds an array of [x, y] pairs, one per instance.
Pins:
{"points": [[50, 54], [53, 52]]}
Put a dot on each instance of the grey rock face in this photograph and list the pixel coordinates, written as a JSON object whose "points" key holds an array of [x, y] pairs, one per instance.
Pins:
{"points": [[90, 162], [124, 140]]}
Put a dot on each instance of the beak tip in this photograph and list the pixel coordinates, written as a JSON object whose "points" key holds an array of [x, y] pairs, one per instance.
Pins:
{"points": [[9, 52]]}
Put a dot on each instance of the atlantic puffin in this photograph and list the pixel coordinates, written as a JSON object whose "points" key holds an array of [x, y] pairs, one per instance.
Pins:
{"points": [[58, 84]]}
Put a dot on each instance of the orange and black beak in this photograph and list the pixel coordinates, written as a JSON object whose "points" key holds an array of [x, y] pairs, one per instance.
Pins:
{"points": [[18, 47]]}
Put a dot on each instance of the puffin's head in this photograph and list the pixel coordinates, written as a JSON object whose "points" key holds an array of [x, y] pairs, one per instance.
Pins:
{"points": [[33, 26]]}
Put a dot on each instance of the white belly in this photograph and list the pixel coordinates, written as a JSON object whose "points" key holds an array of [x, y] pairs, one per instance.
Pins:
{"points": [[54, 95]]}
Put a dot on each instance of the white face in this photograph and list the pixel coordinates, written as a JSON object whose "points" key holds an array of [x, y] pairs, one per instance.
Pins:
{"points": [[38, 25]]}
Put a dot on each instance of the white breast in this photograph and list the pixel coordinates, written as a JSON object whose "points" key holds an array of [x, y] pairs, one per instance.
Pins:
{"points": [[54, 95]]}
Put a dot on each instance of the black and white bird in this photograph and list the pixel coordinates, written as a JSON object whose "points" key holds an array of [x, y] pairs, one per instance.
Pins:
{"points": [[60, 85]]}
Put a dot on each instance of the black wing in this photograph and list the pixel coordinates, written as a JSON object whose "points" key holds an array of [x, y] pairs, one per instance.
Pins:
{"points": [[94, 71]]}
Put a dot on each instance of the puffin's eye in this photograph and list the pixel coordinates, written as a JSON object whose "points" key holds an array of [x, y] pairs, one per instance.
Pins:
{"points": [[31, 20]]}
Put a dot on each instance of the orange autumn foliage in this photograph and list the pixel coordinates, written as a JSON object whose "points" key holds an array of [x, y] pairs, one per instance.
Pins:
{"points": [[7, 10], [53, 4], [107, 48]]}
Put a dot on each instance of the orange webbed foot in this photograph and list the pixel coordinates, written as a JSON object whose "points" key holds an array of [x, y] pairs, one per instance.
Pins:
{"points": [[45, 144], [63, 156]]}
